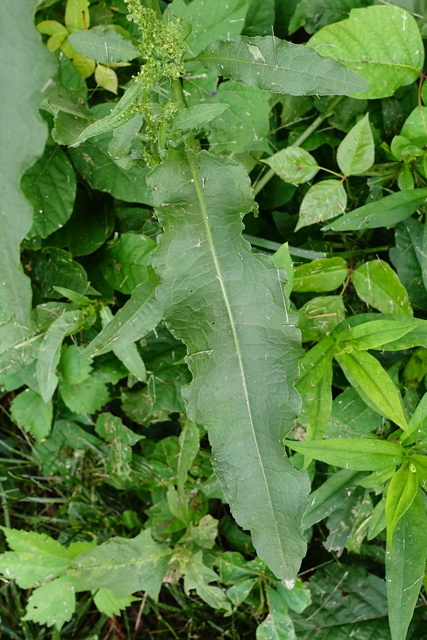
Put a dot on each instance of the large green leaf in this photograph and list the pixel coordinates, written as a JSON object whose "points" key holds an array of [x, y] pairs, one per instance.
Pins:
{"points": [[25, 69], [405, 566], [382, 44], [401, 493], [323, 200], [279, 66], [103, 45], [122, 565], [53, 603], [239, 352]]}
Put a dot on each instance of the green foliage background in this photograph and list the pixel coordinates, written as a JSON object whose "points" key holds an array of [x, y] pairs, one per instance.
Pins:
{"points": [[170, 392]]}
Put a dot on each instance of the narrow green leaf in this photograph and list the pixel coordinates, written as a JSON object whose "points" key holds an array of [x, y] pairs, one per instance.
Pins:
{"points": [[294, 165], [103, 45], [407, 259], [50, 351], [325, 274], [189, 442], [211, 289], [196, 116], [283, 260], [324, 200], [420, 465], [366, 375], [385, 212], [379, 286], [318, 403], [117, 117], [314, 364], [401, 493], [279, 66], [77, 15], [24, 72], [358, 454], [52, 604], [126, 353], [139, 315], [330, 496], [123, 565], [358, 42], [374, 334], [405, 567], [356, 153]]}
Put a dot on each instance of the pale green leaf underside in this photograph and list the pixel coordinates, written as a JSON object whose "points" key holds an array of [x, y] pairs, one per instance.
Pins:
{"points": [[381, 43], [279, 66], [240, 352]]}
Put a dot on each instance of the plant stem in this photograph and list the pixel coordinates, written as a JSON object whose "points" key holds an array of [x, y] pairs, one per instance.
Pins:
{"points": [[298, 142]]}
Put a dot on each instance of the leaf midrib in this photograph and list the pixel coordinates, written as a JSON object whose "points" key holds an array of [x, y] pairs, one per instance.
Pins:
{"points": [[203, 208]]}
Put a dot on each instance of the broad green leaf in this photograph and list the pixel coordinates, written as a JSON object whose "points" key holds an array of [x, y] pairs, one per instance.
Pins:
{"points": [[405, 566], [127, 261], [23, 138], [372, 381], [375, 334], [279, 66], [211, 289], [238, 592], [50, 351], [276, 626], [210, 20], [298, 598], [123, 137], [324, 274], [50, 186], [420, 465], [377, 284], [357, 454], [347, 602], [356, 153], [330, 496], [32, 414], [52, 604], [196, 116], [197, 576], [407, 259], [351, 417], [95, 165], [385, 212], [415, 369], [52, 267], [415, 127], [401, 493], [77, 15], [107, 603], [323, 201], [319, 316], [358, 42], [260, 17], [103, 45], [315, 14], [139, 315], [377, 523], [35, 557], [73, 367], [86, 397], [123, 565], [245, 125], [294, 165], [315, 364]]}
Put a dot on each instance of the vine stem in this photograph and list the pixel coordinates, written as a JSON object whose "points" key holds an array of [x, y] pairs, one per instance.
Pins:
{"points": [[298, 142]]}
